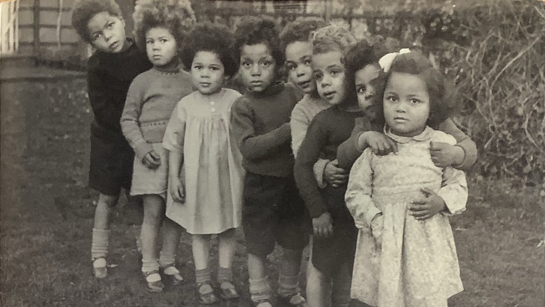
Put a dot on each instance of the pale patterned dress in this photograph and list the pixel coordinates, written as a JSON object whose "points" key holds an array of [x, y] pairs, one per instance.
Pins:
{"points": [[417, 265], [213, 173]]}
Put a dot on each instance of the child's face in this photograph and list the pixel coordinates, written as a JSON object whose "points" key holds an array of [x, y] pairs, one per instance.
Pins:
{"points": [[328, 71], [107, 32], [257, 67], [161, 49], [208, 72], [364, 89], [299, 63], [406, 104]]}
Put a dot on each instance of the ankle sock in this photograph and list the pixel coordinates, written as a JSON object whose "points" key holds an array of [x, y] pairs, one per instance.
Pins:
{"points": [[150, 265], [224, 274], [99, 245], [202, 276], [260, 289], [288, 285]]}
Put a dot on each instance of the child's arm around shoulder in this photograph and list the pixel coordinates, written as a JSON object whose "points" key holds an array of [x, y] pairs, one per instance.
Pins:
{"points": [[130, 118], [462, 141], [453, 191], [358, 195], [251, 145]]}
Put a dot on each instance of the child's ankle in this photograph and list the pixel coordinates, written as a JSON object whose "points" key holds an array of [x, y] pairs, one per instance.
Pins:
{"points": [[260, 289]]}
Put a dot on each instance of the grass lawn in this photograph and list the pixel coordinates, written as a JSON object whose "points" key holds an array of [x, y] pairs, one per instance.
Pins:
{"points": [[47, 217]]}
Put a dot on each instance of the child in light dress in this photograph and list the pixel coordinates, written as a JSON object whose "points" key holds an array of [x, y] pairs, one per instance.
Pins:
{"points": [[401, 202], [160, 28], [206, 197]]}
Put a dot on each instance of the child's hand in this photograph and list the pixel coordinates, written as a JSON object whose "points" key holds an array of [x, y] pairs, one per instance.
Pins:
{"points": [[378, 142], [152, 160], [377, 225], [177, 190], [323, 226], [334, 175], [427, 206], [444, 154]]}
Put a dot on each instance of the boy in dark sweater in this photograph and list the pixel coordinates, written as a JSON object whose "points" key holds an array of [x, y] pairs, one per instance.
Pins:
{"points": [[273, 210], [111, 69]]}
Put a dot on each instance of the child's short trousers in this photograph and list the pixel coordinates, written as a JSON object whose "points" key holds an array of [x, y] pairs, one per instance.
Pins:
{"points": [[329, 254], [111, 161], [273, 212], [147, 181]]}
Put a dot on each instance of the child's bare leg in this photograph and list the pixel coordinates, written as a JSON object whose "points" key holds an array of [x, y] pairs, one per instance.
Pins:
{"points": [[342, 281], [288, 277], [167, 259], [201, 255], [135, 214], [153, 216], [317, 287], [259, 285], [227, 245], [101, 233]]}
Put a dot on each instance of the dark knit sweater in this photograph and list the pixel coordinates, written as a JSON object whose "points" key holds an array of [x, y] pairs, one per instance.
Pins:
{"points": [[260, 123], [109, 76], [326, 132]]}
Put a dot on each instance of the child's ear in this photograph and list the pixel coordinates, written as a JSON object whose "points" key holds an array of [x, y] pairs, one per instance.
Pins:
{"points": [[226, 77], [121, 19]]}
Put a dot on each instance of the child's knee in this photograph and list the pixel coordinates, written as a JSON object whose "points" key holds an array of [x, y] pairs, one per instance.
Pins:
{"points": [[108, 201]]}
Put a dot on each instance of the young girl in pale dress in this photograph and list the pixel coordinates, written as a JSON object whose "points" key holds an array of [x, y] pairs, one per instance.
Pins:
{"points": [[406, 256], [206, 196]]}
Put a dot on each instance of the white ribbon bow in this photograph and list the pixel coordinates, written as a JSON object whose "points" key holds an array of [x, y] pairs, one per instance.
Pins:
{"points": [[386, 61]]}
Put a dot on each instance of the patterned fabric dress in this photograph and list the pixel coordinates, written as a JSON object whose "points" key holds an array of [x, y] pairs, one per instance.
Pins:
{"points": [[416, 264], [212, 163]]}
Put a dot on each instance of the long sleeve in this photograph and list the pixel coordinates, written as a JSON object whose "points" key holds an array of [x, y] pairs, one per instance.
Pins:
{"points": [[251, 145], [106, 105], [454, 190], [175, 131], [309, 153], [358, 195], [462, 140], [129, 120]]}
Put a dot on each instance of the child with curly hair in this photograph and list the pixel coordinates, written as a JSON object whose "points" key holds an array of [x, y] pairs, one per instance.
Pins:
{"points": [[334, 233], [206, 198], [401, 202], [111, 69], [160, 28], [273, 210]]}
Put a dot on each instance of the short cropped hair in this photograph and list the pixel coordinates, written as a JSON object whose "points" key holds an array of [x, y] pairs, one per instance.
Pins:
{"points": [[176, 16], [443, 102], [85, 10], [217, 39], [252, 31], [332, 38], [300, 30]]}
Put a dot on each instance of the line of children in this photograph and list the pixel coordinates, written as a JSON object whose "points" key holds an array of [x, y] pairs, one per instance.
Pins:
{"points": [[224, 159]]}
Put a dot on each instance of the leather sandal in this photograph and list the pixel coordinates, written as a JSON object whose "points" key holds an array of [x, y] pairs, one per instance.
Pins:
{"points": [[100, 269], [173, 275], [228, 291], [296, 300], [205, 294], [153, 279]]}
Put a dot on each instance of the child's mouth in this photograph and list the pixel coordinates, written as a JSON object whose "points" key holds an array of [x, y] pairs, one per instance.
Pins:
{"points": [[114, 45], [304, 85], [329, 95], [205, 84]]}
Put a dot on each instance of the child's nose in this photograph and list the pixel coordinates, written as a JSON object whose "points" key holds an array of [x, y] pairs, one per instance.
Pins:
{"points": [[299, 71], [255, 70]]}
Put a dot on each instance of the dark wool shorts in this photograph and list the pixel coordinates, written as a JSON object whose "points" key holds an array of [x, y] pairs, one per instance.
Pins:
{"points": [[112, 161], [329, 254], [273, 212]]}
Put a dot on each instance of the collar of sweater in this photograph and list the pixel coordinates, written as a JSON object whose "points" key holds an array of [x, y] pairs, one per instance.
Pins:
{"points": [[424, 136], [271, 90]]}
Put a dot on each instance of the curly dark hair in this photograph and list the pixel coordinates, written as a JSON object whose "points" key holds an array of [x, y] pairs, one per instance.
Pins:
{"points": [[175, 15], [300, 30], [252, 31], [214, 38], [356, 58], [332, 38], [85, 10], [443, 102]]}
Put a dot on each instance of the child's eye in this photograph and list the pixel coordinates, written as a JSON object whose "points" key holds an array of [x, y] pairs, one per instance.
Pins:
{"points": [[96, 36], [246, 64], [361, 89], [307, 62], [149, 41], [391, 98], [197, 67], [163, 40], [266, 63], [110, 25], [214, 68], [291, 67], [415, 101]]}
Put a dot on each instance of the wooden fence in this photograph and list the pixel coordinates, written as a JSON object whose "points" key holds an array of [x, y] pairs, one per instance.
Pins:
{"points": [[9, 27]]}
